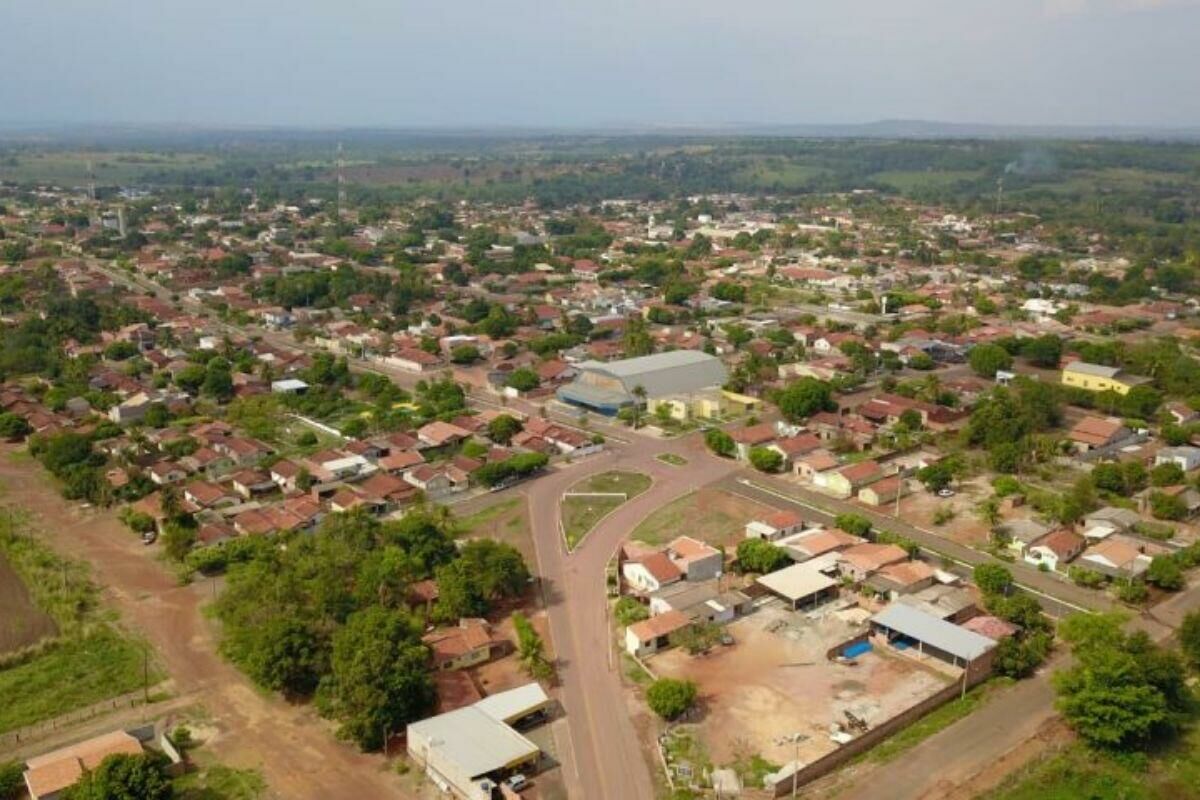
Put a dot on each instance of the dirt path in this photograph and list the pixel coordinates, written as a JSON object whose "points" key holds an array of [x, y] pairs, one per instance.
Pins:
{"points": [[294, 748]]}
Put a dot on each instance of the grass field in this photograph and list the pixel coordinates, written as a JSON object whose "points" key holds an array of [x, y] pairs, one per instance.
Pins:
{"points": [[71, 167], [22, 623], [710, 515], [580, 514], [91, 660], [75, 673], [907, 181], [1172, 773], [506, 521], [672, 459], [218, 782]]}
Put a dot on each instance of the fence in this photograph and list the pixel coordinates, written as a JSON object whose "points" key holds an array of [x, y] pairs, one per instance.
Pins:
{"points": [[828, 763], [33, 732]]}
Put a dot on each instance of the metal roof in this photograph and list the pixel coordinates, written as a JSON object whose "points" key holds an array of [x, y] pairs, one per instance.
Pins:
{"points": [[515, 703], [673, 372], [797, 581], [1099, 370], [474, 741], [945, 636]]}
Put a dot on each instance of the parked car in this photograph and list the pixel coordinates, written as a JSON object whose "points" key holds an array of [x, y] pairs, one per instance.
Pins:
{"points": [[517, 782], [945, 493], [149, 537]]}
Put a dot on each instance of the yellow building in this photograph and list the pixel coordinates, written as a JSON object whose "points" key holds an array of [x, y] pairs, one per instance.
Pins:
{"points": [[1100, 378]]}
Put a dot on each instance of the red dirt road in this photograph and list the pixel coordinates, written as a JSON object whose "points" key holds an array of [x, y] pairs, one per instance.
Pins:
{"points": [[294, 748]]}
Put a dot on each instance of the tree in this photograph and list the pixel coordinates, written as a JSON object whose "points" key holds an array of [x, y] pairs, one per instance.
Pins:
{"points": [[503, 428], [464, 354], [1019, 657], [523, 379], [284, 656], [805, 397], [530, 649], [379, 677], [936, 476], [1165, 573], [125, 777], [720, 442], [218, 380], [178, 540], [909, 420], [1122, 689], [497, 568], [992, 579], [987, 359], [636, 340], [766, 459], [12, 781], [1043, 351], [1166, 474], [628, 611], [1189, 638], [1167, 506], [855, 524], [757, 555], [157, 416], [670, 697], [458, 594], [14, 427], [699, 637]]}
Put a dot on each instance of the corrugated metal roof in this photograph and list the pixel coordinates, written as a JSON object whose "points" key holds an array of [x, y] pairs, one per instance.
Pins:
{"points": [[674, 372], [945, 636]]}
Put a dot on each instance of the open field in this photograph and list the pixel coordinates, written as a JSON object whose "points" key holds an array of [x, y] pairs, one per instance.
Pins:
{"points": [[71, 675], [71, 167], [1077, 772], [581, 513], [505, 521], [22, 623], [769, 686], [710, 515]]}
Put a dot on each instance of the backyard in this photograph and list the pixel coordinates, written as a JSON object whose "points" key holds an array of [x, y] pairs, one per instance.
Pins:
{"points": [[710, 515], [590, 500]]}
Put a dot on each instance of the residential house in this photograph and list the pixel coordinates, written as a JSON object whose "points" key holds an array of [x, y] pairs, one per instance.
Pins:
{"points": [[466, 645], [845, 482], [864, 560], [1100, 378], [1093, 433], [1056, 549], [886, 490], [774, 525], [651, 635], [1185, 456], [1117, 557], [696, 560], [650, 572]]}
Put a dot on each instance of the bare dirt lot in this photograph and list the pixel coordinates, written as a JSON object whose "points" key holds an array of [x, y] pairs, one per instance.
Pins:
{"points": [[22, 623], [710, 515], [965, 527], [771, 685]]}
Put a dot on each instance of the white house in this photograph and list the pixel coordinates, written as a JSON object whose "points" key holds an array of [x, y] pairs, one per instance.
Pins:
{"points": [[1186, 456]]}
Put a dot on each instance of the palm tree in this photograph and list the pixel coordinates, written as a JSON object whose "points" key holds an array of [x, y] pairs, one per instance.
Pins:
{"points": [[639, 392]]}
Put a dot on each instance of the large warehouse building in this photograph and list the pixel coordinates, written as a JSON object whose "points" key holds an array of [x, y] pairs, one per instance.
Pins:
{"points": [[607, 387]]}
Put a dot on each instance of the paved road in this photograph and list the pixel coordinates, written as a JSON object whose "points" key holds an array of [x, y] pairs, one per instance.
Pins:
{"points": [[1058, 591], [604, 759]]}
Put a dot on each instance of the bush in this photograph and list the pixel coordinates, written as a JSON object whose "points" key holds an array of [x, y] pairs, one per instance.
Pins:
{"points": [[720, 442], [1132, 591], [1167, 506], [1164, 572], [943, 514], [669, 697], [764, 459], [628, 611], [992, 579], [1168, 474], [757, 555], [855, 524], [1087, 578], [1005, 485], [12, 781]]}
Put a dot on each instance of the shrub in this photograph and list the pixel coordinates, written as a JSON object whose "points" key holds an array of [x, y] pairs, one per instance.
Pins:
{"points": [[629, 611], [764, 459], [670, 697]]}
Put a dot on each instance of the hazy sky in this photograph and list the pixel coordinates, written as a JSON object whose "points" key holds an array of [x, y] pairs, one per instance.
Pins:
{"points": [[599, 62]]}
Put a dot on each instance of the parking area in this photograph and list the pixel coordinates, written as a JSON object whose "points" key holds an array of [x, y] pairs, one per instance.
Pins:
{"points": [[775, 682]]}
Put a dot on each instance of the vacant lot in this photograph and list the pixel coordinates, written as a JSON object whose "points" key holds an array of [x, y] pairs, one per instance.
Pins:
{"points": [[710, 515], [90, 661], [22, 623], [588, 501], [505, 521], [771, 685]]}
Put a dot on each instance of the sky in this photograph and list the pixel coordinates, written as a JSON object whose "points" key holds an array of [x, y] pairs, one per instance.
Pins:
{"points": [[599, 63]]}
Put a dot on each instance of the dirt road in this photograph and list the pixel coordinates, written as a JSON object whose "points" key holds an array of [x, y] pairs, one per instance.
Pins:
{"points": [[604, 759], [293, 747]]}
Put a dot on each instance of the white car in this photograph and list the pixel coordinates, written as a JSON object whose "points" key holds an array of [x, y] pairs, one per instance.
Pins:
{"points": [[517, 782], [945, 493]]}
